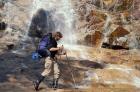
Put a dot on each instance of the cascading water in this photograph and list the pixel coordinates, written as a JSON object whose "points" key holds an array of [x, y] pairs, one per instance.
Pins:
{"points": [[106, 25], [62, 14]]}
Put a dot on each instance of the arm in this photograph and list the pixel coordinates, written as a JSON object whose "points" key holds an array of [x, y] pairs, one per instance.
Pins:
{"points": [[54, 49], [57, 48]]}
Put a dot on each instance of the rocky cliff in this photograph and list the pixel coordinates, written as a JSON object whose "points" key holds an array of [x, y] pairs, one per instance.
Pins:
{"points": [[106, 57]]}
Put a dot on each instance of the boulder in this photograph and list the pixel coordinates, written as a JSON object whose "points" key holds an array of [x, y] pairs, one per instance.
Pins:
{"points": [[41, 23], [116, 34], [119, 32]]}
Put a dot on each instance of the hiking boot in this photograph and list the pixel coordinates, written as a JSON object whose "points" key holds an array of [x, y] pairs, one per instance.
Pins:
{"points": [[36, 85], [55, 84], [37, 82]]}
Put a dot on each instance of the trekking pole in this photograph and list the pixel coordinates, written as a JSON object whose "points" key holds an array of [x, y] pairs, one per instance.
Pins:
{"points": [[71, 71]]}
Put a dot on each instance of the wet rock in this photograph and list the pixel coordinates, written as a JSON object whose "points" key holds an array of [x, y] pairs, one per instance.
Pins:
{"points": [[12, 79], [106, 45], [109, 4], [137, 64], [95, 17], [10, 46], [136, 10], [82, 11], [117, 47], [137, 67], [41, 23], [114, 47], [124, 5], [97, 37], [3, 25], [2, 4], [88, 39], [94, 39], [91, 64]]}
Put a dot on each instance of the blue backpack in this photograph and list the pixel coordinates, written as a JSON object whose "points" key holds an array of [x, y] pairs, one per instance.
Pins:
{"points": [[42, 45]]}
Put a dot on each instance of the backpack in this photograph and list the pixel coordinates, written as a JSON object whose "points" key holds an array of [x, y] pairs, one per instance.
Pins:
{"points": [[36, 55], [45, 41]]}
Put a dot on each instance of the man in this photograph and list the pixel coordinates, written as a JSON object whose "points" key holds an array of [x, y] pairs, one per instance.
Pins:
{"points": [[48, 48]]}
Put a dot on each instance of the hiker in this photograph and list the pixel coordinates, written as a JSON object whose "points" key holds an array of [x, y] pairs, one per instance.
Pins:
{"points": [[48, 48]]}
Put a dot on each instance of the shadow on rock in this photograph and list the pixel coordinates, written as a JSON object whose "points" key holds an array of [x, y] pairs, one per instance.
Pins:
{"points": [[91, 64]]}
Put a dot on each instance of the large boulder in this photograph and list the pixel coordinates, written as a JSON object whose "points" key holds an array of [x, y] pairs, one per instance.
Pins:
{"points": [[41, 23], [118, 32]]}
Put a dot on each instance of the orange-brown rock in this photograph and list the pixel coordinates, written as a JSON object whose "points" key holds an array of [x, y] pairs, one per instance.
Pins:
{"points": [[118, 32], [95, 17], [94, 39]]}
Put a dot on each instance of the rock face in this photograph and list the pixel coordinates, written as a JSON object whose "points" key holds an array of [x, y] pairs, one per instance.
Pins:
{"points": [[94, 39], [104, 16]]}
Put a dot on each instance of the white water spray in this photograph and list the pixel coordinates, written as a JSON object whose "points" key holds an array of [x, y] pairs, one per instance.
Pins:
{"points": [[62, 14], [106, 25]]}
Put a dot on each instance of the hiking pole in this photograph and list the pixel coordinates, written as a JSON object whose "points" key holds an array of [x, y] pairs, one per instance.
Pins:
{"points": [[71, 71]]}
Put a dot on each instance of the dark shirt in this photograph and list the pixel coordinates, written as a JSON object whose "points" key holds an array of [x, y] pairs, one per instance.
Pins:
{"points": [[53, 43]]}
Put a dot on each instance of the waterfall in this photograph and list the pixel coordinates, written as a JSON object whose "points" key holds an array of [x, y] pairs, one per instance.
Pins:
{"points": [[106, 28], [101, 4], [62, 14], [106, 25]]}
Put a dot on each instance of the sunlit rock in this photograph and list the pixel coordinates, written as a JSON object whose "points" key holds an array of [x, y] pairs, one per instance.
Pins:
{"points": [[108, 2]]}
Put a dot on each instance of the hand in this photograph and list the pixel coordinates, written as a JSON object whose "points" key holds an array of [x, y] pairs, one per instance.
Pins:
{"points": [[64, 52], [61, 47]]}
